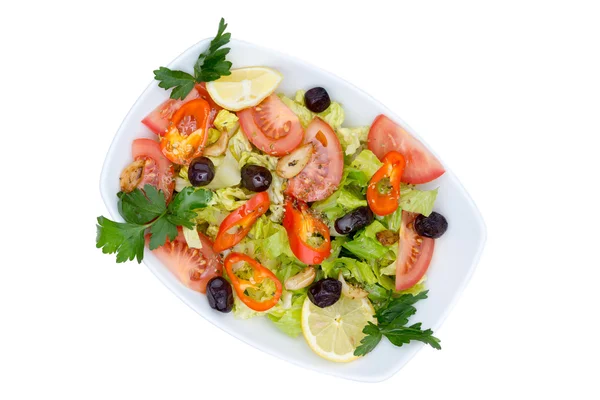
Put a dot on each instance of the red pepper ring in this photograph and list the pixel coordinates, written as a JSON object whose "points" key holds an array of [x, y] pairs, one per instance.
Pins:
{"points": [[239, 222], [186, 135], [259, 274], [302, 228], [383, 191]]}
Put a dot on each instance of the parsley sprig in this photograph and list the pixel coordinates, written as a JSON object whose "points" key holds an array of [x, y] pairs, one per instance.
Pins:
{"points": [[392, 320], [210, 66], [147, 210]]}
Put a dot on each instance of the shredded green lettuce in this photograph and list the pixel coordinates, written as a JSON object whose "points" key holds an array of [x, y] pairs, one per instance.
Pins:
{"points": [[352, 139], [417, 201], [238, 144], [226, 121], [289, 320], [229, 198], [366, 162], [333, 115]]}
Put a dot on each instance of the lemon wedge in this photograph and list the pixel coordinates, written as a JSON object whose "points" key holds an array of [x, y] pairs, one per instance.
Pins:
{"points": [[334, 332], [245, 87]]}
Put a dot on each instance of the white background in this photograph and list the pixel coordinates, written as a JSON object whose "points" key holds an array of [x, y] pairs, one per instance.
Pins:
{"points": [[507, 92]]}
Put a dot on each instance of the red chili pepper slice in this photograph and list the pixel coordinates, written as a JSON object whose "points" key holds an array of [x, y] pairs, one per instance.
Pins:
{"points": [[383, 191], [239, 222], [252, 282], [309, 236]]}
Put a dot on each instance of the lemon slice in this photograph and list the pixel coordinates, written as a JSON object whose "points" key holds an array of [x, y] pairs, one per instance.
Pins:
{"points": [[334, 332], [245, 87]]}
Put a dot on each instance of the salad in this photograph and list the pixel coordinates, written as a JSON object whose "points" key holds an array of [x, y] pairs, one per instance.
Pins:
{"points": [[271, 207]]}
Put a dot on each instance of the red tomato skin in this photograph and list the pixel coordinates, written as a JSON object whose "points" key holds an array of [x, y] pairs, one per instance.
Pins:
{"points": [[323, 174], [182, 261], [409, 277], [158, 120], [421, 165], [274, 147], [160, 173]]}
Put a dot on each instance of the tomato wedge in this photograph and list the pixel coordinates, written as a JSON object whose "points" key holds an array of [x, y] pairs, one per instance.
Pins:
{"points": [[414, 254], [308, 236], [158, 120], [239, 222], [383, 191], [421, 165], [156, 169], [323, 173], [187, 134], [272, 126], [250, 282], [192, 267]]}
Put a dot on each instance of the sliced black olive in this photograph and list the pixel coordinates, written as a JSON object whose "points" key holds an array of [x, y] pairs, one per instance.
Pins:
{"points": [[433, 226], [219, 294], [354, 220], [325, 292], [317, 99]]}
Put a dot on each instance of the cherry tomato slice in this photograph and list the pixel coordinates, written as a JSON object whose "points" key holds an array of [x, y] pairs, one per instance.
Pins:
{"points": [[383, 191], [239, 222], [309, 236], [258, 275], [186, 136]]}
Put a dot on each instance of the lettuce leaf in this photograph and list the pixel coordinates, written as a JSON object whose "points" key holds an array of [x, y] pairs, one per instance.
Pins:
{"points": [[417, 201], [334, 115], [350, 267], [238, 144], [229, 198], [366, 162], [289, 321], [352, 139], [226, 121]]}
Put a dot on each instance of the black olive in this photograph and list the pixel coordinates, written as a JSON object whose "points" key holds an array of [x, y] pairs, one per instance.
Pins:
{"points": [[433, 226], [354, 220], [219, 294], [256, 178], [317, 99], [201, 171], [325, 292]]}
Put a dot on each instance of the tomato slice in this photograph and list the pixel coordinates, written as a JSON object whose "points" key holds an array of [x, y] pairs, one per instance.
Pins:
{"points": [[158, 120], [158, 170], [383, 191], [414, 254], [253, 282], [239, 222], [421, 165], [193, 267], [308, 236], [272, 126], [187, 134], [323, 174]]}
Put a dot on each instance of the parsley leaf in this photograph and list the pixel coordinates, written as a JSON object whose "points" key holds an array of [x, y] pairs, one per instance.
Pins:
{"points": [[368, 343], [182, 82], [147, 209], [392, 320], [140, 207], [125, 239], [210, 66]]}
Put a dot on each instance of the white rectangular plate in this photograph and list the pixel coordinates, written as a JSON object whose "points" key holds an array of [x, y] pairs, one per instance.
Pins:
{"points": [[456, 253]]}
